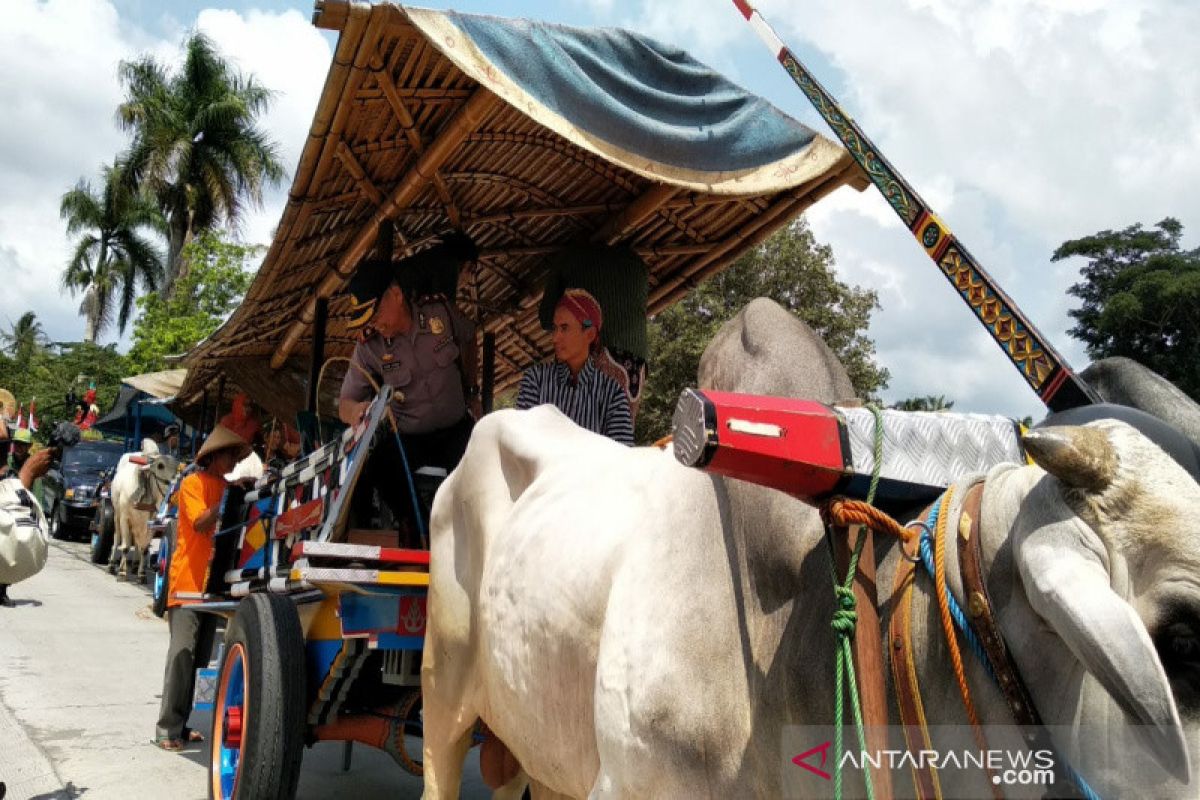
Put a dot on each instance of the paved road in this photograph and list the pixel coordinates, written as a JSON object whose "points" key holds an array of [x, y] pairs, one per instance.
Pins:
{"points": [[81, 664]]}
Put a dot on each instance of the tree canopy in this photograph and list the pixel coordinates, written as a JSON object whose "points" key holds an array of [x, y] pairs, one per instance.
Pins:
{"points": [[217, 275], [792, 269], [197, 147], [49, 372], [112, 258], [930, 402], [1139, 293], [24, 338]]}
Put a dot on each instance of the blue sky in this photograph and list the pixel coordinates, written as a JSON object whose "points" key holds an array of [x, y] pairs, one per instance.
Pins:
{"points": [[1022, 122]]}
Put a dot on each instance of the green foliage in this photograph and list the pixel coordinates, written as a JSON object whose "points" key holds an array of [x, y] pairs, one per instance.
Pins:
{"points": [[1139, 293], [47, 376], [217, 275], [25, 338], [792, 269], [196, 145], [111, 257], [927, 403]]}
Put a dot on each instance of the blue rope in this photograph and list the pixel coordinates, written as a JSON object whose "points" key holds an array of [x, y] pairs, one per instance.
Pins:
{"points": [[412, 487], [960, 619], [960, 622]]}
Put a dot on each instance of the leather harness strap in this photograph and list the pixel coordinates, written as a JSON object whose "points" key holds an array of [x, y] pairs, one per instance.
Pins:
{"points": [[980, 611], [904, 674]]}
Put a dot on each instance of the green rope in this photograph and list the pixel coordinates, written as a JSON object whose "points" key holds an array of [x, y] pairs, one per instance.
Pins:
{"points": [[845, 618]]}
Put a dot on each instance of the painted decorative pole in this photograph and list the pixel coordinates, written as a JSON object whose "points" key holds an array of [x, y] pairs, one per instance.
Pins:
{"points": [[1043, 368]]}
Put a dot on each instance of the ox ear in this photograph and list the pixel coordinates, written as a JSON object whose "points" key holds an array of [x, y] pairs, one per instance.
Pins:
{"points": [[1077, 456], [1069, 588]]}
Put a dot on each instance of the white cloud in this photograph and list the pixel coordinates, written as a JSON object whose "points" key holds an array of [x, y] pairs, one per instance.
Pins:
{"points": [[61, 59], [1023, 122]]}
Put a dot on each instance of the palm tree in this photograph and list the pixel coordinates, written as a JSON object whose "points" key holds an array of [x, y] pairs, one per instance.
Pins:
{"points": [[24, 338], [196, 147], [111, 258]]}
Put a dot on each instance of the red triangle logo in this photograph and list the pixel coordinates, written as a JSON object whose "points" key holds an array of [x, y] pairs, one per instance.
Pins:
{"points": [[801, 760]]}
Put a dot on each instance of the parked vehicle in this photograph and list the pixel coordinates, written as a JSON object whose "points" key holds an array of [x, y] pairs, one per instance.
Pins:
{"points": [[104, 521], [73, 491]]}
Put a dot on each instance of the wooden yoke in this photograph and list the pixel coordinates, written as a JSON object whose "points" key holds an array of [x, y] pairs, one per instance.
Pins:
{"points": [[867, 648]]}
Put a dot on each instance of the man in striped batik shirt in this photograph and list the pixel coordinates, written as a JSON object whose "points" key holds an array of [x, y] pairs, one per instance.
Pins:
{"points": [[572, 382]]}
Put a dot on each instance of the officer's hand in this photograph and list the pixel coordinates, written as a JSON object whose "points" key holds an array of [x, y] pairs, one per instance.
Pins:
{"points": [[35, 467]]}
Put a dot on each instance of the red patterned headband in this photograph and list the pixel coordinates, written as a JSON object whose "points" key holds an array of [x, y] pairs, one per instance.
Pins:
{"points": [[584, 308]]}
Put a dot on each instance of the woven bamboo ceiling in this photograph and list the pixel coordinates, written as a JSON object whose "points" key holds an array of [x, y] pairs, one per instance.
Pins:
{"points": [[403, 131]]}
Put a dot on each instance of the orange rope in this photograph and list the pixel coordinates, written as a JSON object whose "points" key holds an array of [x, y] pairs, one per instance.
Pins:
{"points": [[842, 511], [960, 675]]}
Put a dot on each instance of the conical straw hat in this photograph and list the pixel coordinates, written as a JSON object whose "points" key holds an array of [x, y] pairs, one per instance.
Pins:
{"points": [[220, 439]]}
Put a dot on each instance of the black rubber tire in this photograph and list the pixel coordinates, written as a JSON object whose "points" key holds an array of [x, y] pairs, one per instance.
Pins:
{"points": [[163, 563], [102, 545], [57, 529], [268, 628]]}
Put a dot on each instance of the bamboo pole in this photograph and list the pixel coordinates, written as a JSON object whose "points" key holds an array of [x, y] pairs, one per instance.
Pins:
{"points": [[470, 116], [409, 126], [366, 187], [646, 204]]}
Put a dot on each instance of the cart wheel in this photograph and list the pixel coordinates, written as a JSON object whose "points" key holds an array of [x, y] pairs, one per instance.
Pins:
{"points": [[162, 569], [258, 719], [102, 537], [411, 723]]}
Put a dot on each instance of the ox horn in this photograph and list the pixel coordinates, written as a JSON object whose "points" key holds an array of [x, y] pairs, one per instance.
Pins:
{"points": [[1078, 456], [1069, 588]]}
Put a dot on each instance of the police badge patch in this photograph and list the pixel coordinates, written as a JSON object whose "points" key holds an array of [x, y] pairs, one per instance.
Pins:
{"points": [[437, 326]]}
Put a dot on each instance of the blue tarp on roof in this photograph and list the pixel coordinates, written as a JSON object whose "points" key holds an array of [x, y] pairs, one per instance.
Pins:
{"points": [[644, 96]]}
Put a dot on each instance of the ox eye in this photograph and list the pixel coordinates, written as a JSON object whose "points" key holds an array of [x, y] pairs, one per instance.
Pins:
{"points": [[1178, 645], [1185, 646]]}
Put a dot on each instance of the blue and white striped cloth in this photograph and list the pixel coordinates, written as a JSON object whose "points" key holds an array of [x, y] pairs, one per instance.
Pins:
{"points": [[593, 401]]}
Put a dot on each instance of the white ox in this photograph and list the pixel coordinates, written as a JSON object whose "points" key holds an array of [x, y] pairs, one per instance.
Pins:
{"points": [[633, 628], [130, 533]]}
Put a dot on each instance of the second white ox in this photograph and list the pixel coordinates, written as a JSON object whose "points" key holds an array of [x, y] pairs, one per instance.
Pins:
{"points": [[130, 535], [633, 628]]}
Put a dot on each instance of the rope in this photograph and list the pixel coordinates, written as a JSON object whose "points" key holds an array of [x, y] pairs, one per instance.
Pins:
{"points": [[956, 662], [956, 612], [845, 617], [960, 622], [841, 511]]}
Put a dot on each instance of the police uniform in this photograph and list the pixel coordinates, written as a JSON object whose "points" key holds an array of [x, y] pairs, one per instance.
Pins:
{"points": [[422, 366]]}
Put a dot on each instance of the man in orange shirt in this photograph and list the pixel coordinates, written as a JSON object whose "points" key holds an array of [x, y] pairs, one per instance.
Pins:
{"points": [[199, 501]]}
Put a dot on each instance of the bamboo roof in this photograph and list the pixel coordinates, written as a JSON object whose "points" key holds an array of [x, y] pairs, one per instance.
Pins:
{"points": [[405, 130]]}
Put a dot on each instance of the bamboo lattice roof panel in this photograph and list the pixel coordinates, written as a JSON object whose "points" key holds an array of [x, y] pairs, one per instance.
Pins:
{"points": [[418, 125]]}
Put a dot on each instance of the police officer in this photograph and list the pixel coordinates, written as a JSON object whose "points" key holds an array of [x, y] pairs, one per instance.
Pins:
{"points": [[422, 347]]}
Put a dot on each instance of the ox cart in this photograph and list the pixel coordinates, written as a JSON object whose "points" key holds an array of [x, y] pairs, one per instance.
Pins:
{"points": [[321, 620], [431, 121]]}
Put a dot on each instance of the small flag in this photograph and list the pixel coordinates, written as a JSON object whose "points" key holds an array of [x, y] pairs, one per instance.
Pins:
{"points": [[33, 424], [21, 416]]}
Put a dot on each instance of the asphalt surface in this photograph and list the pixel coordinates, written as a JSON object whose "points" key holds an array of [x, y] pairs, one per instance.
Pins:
{"points": [[81, 665]]}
